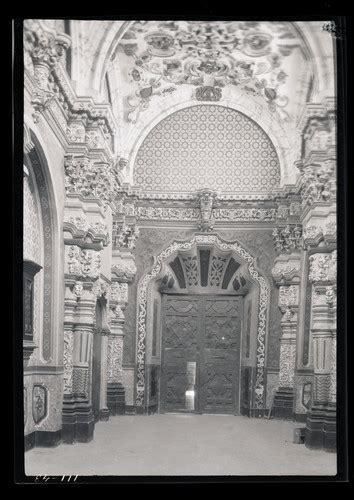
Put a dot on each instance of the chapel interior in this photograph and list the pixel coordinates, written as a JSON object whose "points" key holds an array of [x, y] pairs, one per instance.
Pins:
{"points": [[179, 224]]}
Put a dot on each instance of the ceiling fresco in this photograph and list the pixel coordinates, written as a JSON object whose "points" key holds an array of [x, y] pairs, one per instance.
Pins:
{"points": [[262, 59]]}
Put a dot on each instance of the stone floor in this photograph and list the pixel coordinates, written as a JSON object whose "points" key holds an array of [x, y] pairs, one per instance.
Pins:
{"points": [[160, 445]]}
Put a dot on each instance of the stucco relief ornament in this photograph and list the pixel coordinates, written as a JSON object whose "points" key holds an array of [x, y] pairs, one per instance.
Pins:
{"points": [[78, 289], [318, 183], [83, 262], [210, 56], [287, 239], [206, 201], [99, 180], [45, 47], [323, 267], [119, 292], [289, 295]]}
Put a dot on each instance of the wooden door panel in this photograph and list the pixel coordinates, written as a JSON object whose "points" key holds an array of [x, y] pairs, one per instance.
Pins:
{"points": [[207, 331], [221, 355], [180, 339], [219, 388]]}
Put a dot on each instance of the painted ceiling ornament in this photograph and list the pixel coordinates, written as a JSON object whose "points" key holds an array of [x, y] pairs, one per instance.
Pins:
{"points": [[214, 54]]}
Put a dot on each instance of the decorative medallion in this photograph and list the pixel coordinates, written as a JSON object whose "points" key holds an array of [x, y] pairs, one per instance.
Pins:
{"points": [[39, 403], [307, 395]]}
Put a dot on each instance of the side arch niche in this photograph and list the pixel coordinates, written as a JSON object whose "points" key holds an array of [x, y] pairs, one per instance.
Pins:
{"points": [[46, 298], [206, 265]]}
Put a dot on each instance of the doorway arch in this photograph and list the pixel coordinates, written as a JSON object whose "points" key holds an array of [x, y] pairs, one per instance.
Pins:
{"points": [[163, 274]]}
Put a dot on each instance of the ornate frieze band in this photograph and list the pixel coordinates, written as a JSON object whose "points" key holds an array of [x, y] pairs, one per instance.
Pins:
{"points": [[264, 293], [218, 214]]}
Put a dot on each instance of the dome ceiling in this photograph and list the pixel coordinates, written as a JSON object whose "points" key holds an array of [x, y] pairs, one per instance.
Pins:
{"points": [[261, 59]]}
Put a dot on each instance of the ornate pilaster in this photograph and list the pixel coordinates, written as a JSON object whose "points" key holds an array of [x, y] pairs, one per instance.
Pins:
{"points": [[118, 301], [85, 236], [321, 422], [286, 274], [125, 234]]}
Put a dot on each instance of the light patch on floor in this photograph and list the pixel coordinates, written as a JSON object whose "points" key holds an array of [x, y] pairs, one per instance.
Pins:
{"points": [[159, 445]]}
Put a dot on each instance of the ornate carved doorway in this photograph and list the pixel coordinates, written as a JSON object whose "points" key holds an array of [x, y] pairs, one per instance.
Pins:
{"points": [[201, 330], [201, 349]]}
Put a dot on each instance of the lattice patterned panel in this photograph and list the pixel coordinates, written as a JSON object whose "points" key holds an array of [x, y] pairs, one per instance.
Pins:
{"points": [[31, 232], [207, 146]]}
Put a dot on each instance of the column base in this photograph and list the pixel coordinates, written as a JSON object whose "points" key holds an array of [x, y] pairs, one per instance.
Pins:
{"points": [[78, 421], [283, 405], [104, 414], [116, 398], [321, 428]]}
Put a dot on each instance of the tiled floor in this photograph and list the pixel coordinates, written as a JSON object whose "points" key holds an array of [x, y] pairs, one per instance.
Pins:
{"points": [[184, 445]]}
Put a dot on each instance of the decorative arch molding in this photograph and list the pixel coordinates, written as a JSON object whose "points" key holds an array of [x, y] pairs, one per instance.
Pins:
{"points": [[263, 309], [277, 133], [36, 157]]}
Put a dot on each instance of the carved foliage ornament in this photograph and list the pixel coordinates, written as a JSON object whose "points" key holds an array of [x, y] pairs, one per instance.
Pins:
{"points": [[323, 267], [43, 49], [83, 262], [287, 239], [125, 235], [318, 183], [99, 180], [289, 295]]}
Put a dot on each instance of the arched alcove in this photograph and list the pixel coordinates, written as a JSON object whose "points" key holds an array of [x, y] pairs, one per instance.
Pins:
{"points": [[192, 271], [45, 300]]}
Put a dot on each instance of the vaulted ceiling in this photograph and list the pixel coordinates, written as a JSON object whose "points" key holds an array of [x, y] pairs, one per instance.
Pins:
{"points": [[150, 69]]}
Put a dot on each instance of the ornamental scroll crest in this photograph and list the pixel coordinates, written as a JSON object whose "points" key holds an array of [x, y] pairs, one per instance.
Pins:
{"points": [[264, 294]]}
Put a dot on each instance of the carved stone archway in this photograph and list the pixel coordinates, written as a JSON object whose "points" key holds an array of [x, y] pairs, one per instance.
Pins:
{"points": [[263, 292]]}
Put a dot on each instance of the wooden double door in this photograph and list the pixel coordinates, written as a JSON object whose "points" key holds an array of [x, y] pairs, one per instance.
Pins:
{"points": [[201, 346]]}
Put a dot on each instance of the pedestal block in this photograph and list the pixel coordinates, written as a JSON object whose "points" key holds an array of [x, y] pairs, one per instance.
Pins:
{"points": [[320, 432], [283, 406], [78, 421], [116, 398]]}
